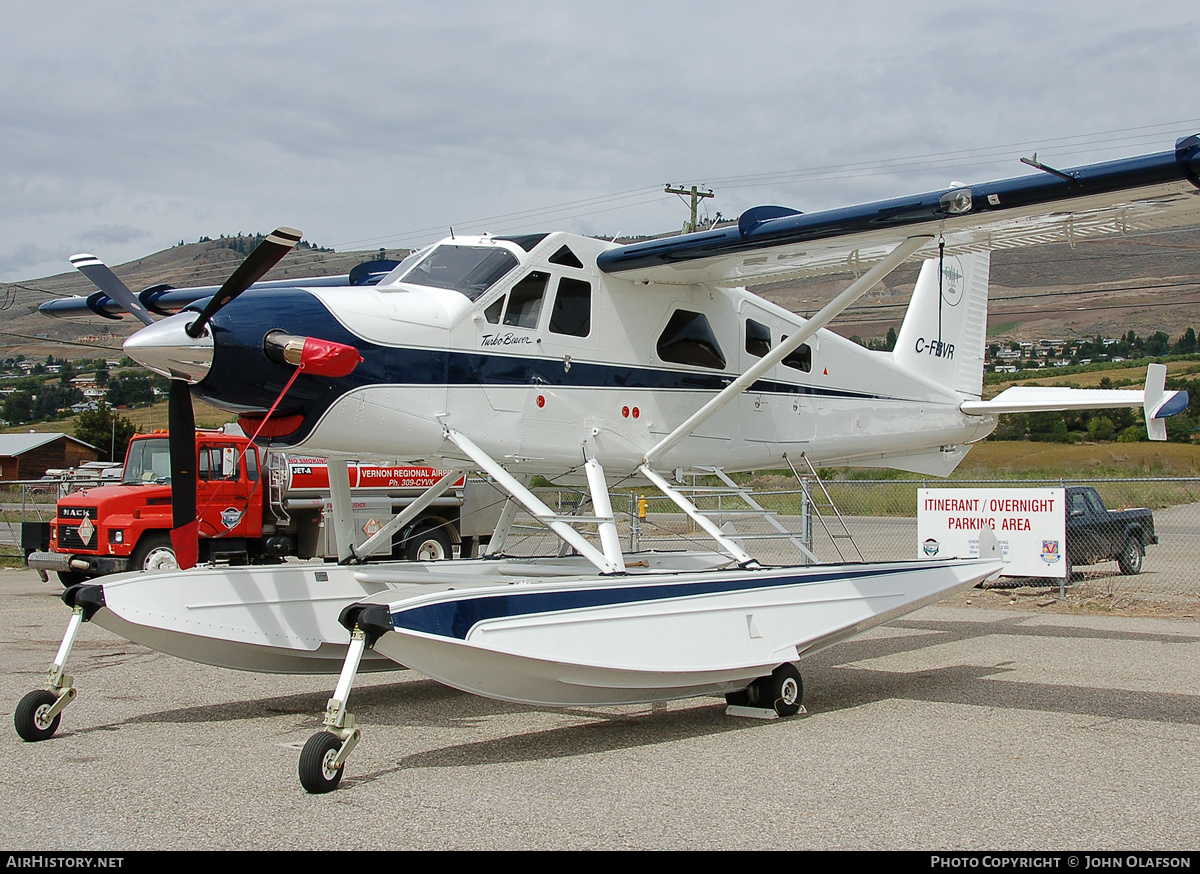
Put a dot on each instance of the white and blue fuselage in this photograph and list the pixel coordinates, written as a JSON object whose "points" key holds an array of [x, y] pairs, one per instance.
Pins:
{"points": [[552, 363]]}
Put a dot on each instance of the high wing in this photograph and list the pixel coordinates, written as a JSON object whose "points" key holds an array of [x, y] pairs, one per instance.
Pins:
{"points": [[771, 243]]}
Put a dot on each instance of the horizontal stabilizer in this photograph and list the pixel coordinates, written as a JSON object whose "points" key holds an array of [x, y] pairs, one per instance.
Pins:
{"points": [[1157, 403], [1047, 398]]}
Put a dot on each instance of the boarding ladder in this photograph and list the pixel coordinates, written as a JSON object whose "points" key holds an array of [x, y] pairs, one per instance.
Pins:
{"points": [[755, 509], [277, 479], [836, 529]]}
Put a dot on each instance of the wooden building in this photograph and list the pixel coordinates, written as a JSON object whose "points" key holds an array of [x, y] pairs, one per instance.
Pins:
{"points": [[28, 456]]}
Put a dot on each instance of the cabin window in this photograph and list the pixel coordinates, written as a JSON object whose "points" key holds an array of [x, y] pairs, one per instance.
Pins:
{"points": [[800, 359], [572, 312], [566, 258], [471, 270], [689, 339], [758, 338], [525, 300]]}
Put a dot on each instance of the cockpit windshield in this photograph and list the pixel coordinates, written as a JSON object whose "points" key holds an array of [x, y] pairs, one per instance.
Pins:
{"points": [[471, 270], [149, 462], [404, 266]]}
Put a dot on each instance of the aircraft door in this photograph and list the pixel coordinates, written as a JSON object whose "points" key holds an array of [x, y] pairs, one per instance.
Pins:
{"points": [[508, 342], [560, 401]]}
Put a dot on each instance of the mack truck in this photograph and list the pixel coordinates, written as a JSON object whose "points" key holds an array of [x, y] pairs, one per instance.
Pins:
{"points": [[254, 506]]}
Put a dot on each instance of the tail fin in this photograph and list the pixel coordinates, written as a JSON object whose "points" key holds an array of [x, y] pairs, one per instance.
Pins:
{"points": [[943, 335]]}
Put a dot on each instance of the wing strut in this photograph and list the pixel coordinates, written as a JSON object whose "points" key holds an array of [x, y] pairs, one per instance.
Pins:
{"points": [[827, 314], [539, 511], [744, 559]]}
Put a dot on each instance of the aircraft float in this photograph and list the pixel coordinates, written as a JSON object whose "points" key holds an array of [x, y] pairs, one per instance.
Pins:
{"points": [[589, 362]]}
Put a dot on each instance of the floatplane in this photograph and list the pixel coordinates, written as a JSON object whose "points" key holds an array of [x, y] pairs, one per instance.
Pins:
{"points": [[588, 362]]}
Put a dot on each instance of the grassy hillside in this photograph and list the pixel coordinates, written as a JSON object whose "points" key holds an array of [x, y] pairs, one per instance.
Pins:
{"points": [[1035, 460], [145, 419]]}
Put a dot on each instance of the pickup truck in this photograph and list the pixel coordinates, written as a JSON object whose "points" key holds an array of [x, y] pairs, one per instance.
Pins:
{"points": [[1095, 533]]}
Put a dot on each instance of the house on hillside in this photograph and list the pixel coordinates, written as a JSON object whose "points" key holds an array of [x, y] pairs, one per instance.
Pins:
{"points": [[28, 456]]}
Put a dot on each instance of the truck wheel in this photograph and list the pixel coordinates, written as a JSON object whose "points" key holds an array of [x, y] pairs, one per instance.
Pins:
{"points": [[154, 553], [1130, 559], [427, 544], [70, 578]]}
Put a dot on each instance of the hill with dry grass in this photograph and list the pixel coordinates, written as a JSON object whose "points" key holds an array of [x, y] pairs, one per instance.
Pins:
{"points": [[26, 332]]}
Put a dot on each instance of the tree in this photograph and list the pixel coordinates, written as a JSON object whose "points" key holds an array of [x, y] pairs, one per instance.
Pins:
{"points": [[1187, 343], [18, 408], [1158, 343], [1100, 428], [129, 390], [106, 430]]}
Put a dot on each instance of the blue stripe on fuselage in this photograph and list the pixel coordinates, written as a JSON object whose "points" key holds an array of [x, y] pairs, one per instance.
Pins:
{"points": [[243, 379], [456, 618]]}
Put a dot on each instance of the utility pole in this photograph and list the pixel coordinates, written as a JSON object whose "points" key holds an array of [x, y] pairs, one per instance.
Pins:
{"points": [[696, 196]]}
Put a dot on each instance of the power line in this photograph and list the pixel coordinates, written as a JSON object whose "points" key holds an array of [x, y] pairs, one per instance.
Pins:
{"points": [[1110, 140]]}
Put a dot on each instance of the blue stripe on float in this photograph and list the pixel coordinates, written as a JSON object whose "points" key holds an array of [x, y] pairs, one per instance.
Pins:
{"points": [[455, 618]]}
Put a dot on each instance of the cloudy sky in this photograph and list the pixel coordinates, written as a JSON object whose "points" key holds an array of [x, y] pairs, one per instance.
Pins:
{"points": [[128, 126]]}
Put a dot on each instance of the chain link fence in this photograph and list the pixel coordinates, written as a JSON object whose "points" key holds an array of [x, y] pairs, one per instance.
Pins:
{"points": [[31, 501], [839, 520], [876, 520]]}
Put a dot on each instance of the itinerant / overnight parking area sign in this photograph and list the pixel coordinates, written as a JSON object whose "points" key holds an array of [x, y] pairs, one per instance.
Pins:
{"points": [[1029, 523]]}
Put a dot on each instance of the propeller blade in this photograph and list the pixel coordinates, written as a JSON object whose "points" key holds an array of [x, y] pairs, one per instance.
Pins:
{"points": [[265, 256], [181, 421], [99, 274]]}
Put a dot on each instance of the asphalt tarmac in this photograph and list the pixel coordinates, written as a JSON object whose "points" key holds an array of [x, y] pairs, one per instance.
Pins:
{"points": [[953, 728]]}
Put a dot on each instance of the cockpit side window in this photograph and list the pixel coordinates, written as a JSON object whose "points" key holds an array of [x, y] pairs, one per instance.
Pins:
{"points": [[572, 311], [492, 313], [689, 339], [525, 300], [471, 270]]}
